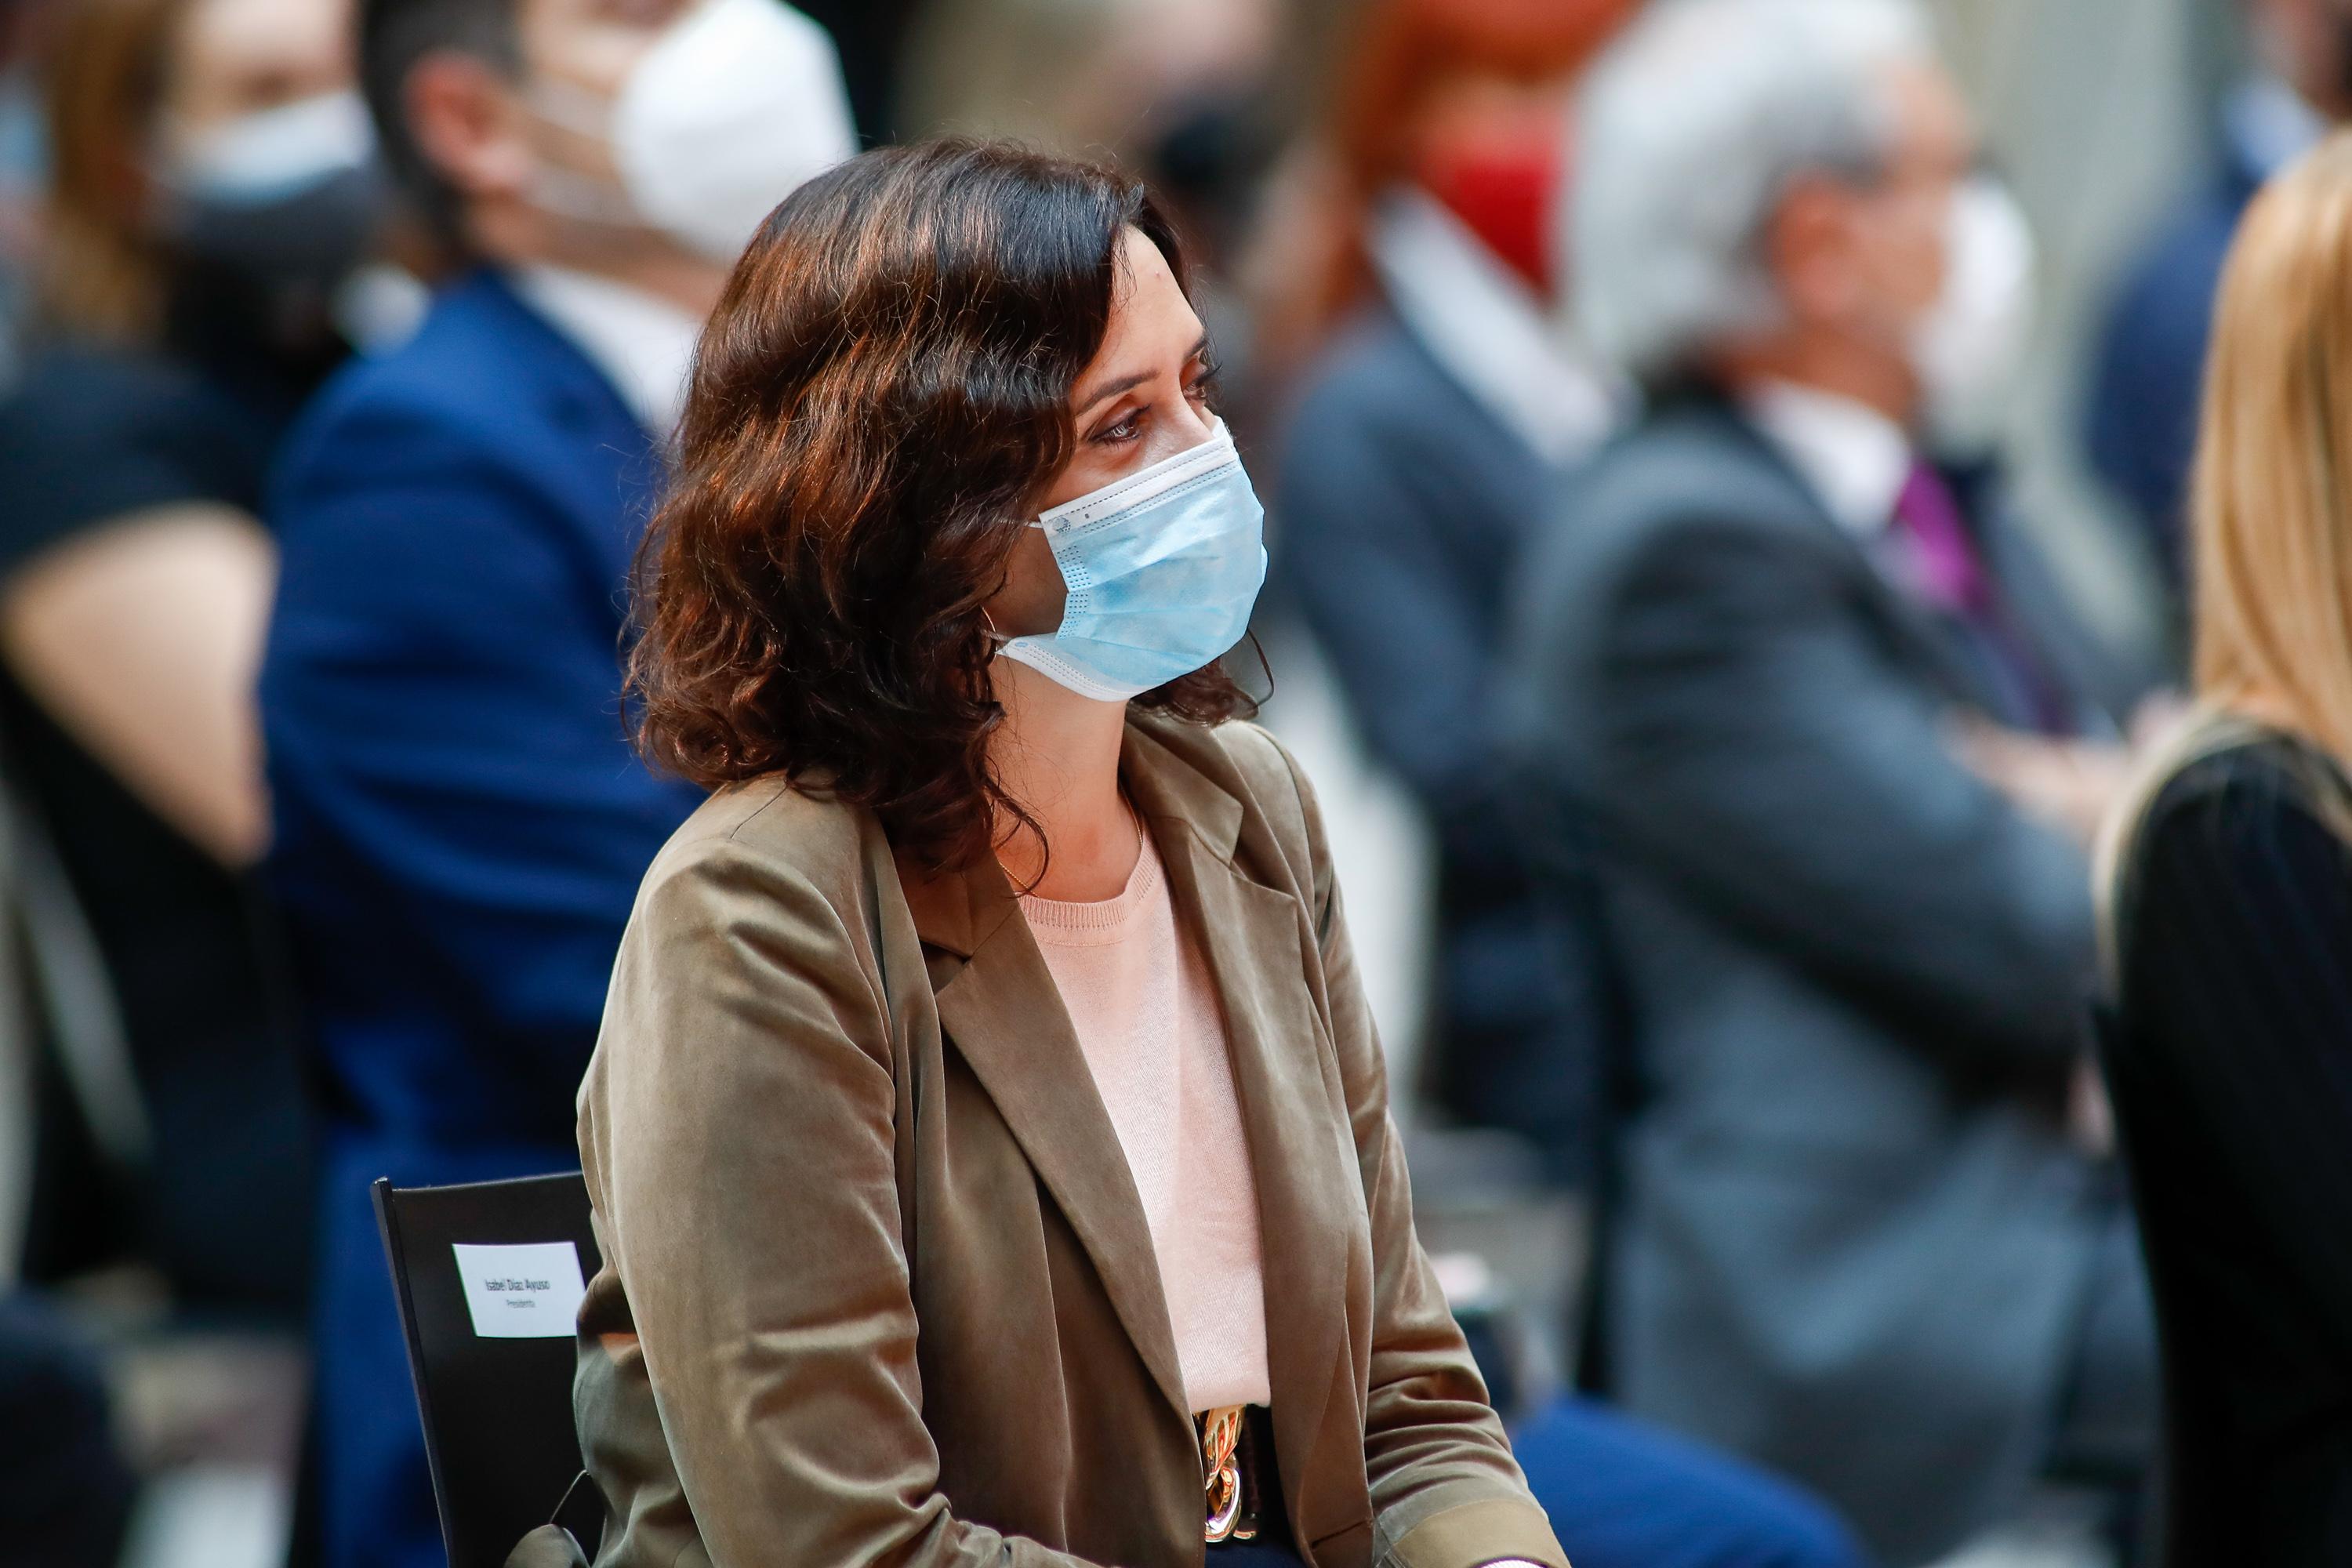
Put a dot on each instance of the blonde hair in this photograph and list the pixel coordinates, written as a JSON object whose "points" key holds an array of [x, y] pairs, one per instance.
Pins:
{"points": [[2273, 494], [2272, 499]]}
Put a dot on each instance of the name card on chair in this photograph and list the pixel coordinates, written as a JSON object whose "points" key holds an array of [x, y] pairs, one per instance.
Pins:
{"points": [[528, 1293]]}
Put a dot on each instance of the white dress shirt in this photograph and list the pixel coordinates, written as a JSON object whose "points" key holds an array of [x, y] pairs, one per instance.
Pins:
{"points": [[1854, 457], [2271, 123], [1487, 330], [643, 343]]}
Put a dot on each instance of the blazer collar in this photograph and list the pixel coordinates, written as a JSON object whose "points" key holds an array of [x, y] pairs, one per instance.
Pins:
{"points": [[1912, 627], [642, 345], [999, 1008], [484, 306], [1853, 458]]}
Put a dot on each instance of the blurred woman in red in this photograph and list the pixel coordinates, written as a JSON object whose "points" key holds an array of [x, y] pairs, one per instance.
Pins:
{"points": [[1432, 407]]}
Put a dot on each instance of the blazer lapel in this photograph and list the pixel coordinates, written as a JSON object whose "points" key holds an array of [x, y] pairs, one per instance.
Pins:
{"points": [[1294, 1112], [1910, 627], [2095, 686], [999, 1009]]}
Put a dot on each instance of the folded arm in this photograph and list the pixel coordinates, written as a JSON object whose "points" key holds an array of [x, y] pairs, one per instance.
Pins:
{"points": [[139, 637], [1746, 740]]}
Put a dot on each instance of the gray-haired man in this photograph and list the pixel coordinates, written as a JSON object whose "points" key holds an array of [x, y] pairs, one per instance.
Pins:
{"points": [[1829, 716]]}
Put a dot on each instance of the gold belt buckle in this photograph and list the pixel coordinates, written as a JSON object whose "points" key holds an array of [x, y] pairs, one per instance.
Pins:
{"points": [[1221, 1432]]}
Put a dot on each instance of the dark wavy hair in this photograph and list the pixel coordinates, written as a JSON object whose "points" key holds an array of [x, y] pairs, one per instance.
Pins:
{"points": [[879, 402]]}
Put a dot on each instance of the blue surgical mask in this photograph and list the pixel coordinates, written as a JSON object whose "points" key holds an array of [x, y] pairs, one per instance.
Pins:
{"points": [[1162, 568]]}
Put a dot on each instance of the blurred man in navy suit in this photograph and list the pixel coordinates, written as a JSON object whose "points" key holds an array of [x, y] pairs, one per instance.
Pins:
{"points": [[460, 821], [2150, 364]]}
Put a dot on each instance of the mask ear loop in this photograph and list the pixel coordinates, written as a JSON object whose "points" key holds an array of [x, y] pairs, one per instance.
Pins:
{"points": [[995, 637], [565, 193]]}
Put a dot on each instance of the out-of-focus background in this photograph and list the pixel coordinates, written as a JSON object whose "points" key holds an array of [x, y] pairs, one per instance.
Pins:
{"points": [[154, 1152]]}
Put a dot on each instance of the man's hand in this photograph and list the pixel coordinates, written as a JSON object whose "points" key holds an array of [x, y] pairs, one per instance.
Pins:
{"points": [[2070, 784], [2090, 1119]]}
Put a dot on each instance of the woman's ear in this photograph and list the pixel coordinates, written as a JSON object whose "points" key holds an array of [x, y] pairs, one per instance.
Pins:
{"points": [[1030, 601]]}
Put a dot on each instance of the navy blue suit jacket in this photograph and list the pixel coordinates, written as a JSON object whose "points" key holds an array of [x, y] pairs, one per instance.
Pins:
{"points": [[461, 824], [2149, 373], [1404, 511]]}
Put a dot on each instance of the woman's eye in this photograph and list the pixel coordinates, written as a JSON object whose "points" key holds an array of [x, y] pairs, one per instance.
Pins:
{"points": [[1128, 428], [1203, 390]]}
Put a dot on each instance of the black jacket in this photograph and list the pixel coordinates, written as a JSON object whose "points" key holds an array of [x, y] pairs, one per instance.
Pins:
{"points": [[2230, 1059]]}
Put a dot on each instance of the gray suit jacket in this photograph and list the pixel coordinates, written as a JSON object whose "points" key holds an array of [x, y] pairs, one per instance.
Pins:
{"points": [[1853, 1239]]}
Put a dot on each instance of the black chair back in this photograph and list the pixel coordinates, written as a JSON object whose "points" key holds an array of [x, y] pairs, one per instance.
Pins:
{"points": [[489, 1276]]}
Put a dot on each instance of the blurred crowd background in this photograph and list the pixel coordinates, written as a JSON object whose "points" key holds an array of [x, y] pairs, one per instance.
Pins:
{"points": [[1376, 191]]}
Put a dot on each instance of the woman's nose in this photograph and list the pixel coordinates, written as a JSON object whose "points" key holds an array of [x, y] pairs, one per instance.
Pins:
{"points": [[1191, 426]]}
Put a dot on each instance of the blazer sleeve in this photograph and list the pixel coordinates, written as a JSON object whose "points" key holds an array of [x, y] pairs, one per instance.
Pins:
{"points": [[747, 1053], [1741, 734], [1371, 543], [1446, 1492]]}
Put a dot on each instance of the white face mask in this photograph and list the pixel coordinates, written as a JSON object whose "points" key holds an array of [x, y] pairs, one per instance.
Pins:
{"points": [[1966, 348], [737, 103]]}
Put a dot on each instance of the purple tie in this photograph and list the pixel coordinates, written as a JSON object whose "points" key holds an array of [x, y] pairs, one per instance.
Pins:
{"points": [[1945, 570], [1943, 557]]}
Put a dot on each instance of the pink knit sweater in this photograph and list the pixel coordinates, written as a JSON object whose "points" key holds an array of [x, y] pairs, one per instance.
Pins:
{"points": [[1147, 1018]]}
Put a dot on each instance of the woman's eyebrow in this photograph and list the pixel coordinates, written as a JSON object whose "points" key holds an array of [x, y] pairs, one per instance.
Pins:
{"points": [[1113, 388], [1122, 383]]}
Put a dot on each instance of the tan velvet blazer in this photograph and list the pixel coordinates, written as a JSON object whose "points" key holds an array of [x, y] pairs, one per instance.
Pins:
{"points": [[877, 1286]]}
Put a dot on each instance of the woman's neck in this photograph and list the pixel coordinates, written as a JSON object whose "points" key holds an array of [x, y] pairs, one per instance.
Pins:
{"points": [[1058, 753]]}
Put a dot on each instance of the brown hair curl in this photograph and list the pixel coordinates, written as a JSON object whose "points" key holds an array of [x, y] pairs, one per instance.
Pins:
{"points": [[878, 401]]}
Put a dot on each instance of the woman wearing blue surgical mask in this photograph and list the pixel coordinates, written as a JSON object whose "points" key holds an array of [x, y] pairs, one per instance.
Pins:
{"points": [[211, 192], [988, 1138]]}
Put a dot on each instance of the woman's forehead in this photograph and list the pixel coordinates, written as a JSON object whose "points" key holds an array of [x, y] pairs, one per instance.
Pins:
{"points": [[253, 33], [1151, 321]]}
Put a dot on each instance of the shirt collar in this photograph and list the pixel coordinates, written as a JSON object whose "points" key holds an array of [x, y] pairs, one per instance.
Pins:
{"points": [[2270, 124], [1855, 458], [1487, 328], [641, 343]]}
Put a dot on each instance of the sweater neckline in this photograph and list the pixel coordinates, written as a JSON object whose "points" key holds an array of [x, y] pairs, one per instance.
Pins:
{"points": [[1065, 922]]}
